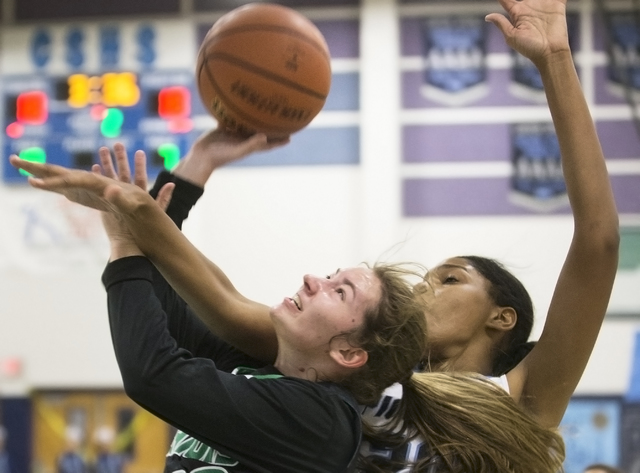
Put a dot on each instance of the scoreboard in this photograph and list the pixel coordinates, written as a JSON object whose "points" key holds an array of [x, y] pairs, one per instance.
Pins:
{"points": [[69, 89]]}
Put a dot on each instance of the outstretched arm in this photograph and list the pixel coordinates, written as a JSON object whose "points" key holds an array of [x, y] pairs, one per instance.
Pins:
{"points": [[239, 321], [209, 152], [546, 379]]}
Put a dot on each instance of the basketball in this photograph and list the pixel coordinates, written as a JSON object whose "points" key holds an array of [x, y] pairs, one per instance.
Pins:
{"points": [[264, 68]]}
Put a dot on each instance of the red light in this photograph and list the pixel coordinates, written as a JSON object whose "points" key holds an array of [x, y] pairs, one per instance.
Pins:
{"points": [[15, 130], [174, 102], [98, 112], [32, 108]]}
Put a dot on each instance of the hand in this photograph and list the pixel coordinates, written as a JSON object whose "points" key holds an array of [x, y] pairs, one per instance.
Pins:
{"points": [[217, 148], [82, 187], [537, 29], [90, 189], [122, 241]]}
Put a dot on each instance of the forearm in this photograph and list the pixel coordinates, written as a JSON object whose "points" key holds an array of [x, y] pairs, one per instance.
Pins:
{"points": [[204, 287], [579, 303], [583, 163]]}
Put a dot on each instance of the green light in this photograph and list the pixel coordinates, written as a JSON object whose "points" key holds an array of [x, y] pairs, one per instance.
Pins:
{"points": [[112, 123], [171, 155], [34, 155]]}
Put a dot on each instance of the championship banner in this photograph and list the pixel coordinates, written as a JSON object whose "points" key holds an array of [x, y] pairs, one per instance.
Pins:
{"points": [[623, 70], [537, 182], [454, 54]]}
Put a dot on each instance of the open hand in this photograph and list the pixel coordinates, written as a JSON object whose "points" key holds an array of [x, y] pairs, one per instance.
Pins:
{"points": [[218, 147], [537, 29], [82, 187], [113, 222]]}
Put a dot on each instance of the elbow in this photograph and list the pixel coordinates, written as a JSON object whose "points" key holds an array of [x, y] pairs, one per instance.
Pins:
{"points": [[602, 238], [610, 240], [134, 387], [137, 385]]}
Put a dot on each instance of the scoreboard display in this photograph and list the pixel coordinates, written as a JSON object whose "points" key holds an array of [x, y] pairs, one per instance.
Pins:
{"points": [[69, 89]]}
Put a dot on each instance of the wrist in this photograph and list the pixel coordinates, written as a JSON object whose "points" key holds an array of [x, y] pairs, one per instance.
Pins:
{"points": [[194, 170], [557, 59], [123, 249]]}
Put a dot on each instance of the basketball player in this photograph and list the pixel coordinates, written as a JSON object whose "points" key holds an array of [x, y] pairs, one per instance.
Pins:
{"points": [[479, 316], [341, 339], [538, 30]]}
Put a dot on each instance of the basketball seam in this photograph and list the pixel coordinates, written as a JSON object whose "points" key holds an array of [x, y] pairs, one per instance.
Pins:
{"points": [[279, 29], [264, 72], [248, 117]]}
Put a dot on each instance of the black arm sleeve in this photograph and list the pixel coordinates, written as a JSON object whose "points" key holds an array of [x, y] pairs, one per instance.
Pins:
{"points": [[268, 425], [184, 325], [185, 195], [191, 333]]}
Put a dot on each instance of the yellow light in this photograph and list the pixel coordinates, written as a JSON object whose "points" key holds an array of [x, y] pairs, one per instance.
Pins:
{"points": [[111, 89], [120, 89], [78, 90]]}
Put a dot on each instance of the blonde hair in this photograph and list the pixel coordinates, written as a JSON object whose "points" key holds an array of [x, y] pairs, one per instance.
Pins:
{"points": [[470, 425]]}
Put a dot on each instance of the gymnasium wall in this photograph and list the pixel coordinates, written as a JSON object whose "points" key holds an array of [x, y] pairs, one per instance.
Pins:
{"points": [[398, 166]]}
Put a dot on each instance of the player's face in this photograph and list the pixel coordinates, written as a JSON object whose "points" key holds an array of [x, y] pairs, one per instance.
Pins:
{"points": [[457, 305], [325, 307]]}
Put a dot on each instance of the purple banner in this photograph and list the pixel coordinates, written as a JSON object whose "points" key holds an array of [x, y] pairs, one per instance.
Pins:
{"points": [[619, 139], [456, 143], [411, 43], [606, 93], [343, 37], [493, 196], [498, 82]]}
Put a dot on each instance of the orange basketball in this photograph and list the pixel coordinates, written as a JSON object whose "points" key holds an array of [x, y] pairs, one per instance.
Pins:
{"points": [[264, 68]]}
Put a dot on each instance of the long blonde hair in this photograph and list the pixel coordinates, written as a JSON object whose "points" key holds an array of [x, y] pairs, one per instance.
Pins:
{"points": [[470, 425]]}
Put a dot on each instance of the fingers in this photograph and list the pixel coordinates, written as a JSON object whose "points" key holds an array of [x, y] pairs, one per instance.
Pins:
{"points": [[36, 169], [260, 142], [122, 162], [254, 143], [164, 195], [140, 169], [501, 21], [106, 162], [278, 142], [69, 180]]}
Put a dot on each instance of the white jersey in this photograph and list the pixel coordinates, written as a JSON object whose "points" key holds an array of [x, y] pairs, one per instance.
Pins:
{"points": [[379, 415]]}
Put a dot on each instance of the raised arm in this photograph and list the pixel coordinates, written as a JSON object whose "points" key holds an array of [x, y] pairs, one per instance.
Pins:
{"points": [[209, 152], [234, 318], [546, 379]]}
